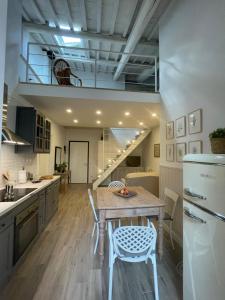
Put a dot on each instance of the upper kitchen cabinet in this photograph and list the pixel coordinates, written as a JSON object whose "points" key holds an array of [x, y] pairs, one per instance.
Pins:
{"points": [[33, 127]]}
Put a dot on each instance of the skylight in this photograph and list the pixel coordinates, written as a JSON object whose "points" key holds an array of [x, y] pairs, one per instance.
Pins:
{"points": [[70, 40]]}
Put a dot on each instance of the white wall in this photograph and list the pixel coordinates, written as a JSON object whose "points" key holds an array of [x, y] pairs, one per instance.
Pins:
{"points": [[92, 135], [149, 161], [192, 64], [3, 24], [13, 44]]}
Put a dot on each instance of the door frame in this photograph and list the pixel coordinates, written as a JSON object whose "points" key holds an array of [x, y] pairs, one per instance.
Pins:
{"points": [[87, 156]]}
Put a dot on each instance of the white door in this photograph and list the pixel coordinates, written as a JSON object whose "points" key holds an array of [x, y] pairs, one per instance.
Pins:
{"points": [[79, 162]]}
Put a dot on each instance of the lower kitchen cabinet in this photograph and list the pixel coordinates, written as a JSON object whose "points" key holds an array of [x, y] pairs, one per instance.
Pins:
{"points": [[6, 248], [56, 195], [52, 195], [47, 202], [49, 210], [41, 212]]}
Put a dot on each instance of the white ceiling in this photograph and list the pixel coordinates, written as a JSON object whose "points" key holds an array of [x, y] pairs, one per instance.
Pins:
{"points": [[113, 19], [85, 112]]}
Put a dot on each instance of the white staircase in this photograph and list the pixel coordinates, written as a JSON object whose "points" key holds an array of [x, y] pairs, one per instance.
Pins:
{"points": [[116, 162]]}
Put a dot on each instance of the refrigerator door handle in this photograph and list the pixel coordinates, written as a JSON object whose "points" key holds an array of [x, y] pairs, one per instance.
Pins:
{"points": [[194, 195], [192, 216]]}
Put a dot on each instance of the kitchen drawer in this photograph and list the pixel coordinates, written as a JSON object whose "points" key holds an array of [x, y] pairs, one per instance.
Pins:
{"points": [[5, 222]]}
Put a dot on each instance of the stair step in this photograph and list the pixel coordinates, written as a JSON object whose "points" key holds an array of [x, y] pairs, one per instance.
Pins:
{"points": [[130, 148]]}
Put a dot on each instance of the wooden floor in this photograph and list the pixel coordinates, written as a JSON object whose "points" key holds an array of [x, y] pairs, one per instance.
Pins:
{"points": [[60, 265]]}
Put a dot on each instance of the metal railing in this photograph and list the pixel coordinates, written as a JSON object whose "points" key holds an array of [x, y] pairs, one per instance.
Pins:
{"points": [[91, 67]]}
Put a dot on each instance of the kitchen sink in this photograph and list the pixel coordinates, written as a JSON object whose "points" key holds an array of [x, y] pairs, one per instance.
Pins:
{"points": [[18, 193]]}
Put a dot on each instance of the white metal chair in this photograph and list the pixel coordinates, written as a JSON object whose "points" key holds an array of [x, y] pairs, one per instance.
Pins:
{"points": [[132, 244], [116, 184], [171, 198], [96, 220]]}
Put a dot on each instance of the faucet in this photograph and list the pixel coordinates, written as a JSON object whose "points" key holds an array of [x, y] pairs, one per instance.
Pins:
{"points": [[9, 192]]}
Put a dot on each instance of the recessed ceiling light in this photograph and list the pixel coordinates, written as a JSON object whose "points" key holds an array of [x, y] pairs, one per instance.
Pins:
{"points": [[141, 123], [154, 115], [127, 113], [69, 110], [120, 123], [98, 112], [98, 122], [75, 121]]}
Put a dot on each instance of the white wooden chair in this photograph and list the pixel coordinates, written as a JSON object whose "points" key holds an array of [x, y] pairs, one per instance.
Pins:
{"points": [[116, 184], [171, 198], [96, 220], [132, 244]]}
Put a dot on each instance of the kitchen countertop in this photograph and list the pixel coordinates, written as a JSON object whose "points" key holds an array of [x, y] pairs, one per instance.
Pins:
{"points": [[5, 207]]}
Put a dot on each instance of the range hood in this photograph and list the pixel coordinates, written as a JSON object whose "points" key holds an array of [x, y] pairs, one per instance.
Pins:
{"points": [[8, 136]]}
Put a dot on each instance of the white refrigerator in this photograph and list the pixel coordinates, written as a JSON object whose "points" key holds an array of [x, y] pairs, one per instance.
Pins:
{"points": [[204, 227]]}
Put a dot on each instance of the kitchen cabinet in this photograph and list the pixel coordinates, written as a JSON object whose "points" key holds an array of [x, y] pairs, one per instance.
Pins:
{"points": [[56, 195], [34, 128], [52, 195], [49, 211], [6, 248], [42, 207], [47, 202], [47, 139]]}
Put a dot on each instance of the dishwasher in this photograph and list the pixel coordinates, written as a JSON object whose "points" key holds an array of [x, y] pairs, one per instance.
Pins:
{"points": [[26, 229]]}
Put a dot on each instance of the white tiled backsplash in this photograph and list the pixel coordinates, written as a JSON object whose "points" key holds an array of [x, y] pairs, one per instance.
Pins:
{"points": [[12, 162]]}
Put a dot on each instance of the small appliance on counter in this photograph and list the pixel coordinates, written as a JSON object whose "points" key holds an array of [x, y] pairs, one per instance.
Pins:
{"points": [[22, 176]]}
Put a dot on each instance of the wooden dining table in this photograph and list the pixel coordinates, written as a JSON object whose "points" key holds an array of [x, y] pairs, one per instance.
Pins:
{"points": [[144, 203]]}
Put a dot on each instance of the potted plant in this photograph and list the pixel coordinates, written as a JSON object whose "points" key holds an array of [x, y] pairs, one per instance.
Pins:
{"points": [[217, 139], [61, 168]]}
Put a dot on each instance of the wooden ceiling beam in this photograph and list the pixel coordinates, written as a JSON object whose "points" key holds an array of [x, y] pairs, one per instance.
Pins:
{"points": [[116, 4], [32, 27], [83, 15], [37, 11], [68, 14], [99, 15]]}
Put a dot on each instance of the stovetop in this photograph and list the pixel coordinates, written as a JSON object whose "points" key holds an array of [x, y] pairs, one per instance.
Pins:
{"points": [[18, 194]]}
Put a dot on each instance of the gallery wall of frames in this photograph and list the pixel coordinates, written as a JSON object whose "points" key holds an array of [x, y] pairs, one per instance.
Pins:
{"points": [[181, 127]]}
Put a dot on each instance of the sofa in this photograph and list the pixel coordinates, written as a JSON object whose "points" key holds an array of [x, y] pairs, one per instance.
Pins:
{"points": [[148, 180]]}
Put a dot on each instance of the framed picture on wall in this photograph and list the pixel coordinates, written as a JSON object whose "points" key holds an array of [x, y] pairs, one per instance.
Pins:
{"points": [[156, 150], [195, 147], [170, 152], [170, 130], [180, 151], [180, 127], [195, 121]]}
